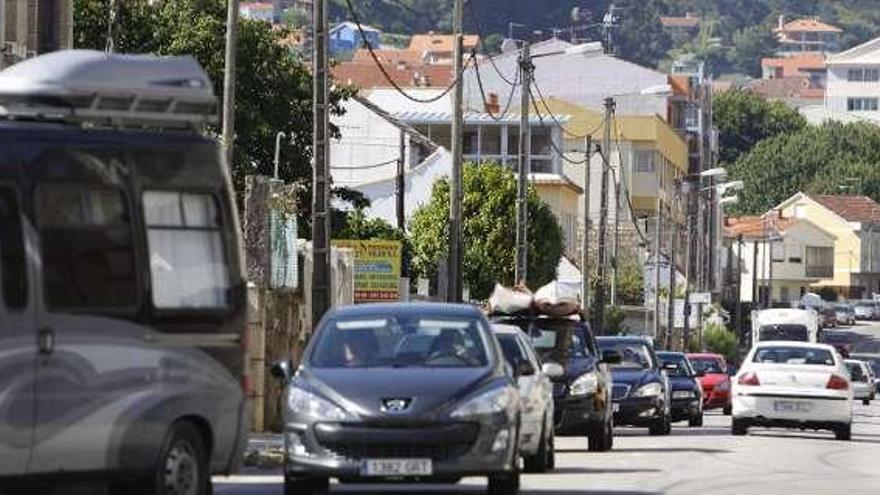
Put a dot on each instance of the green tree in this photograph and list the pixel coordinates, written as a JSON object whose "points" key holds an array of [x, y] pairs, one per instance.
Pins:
{"points": [[718, 339], [744, 119], [489, 213], [815, 159], [750, 45]]}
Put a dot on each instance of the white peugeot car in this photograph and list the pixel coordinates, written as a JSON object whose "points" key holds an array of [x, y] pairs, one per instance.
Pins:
{"points": [[793, 385], [862, 382], [536, 390]]}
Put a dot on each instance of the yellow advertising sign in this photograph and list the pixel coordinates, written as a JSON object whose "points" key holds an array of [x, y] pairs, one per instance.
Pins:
{"points": [[376, 269]]}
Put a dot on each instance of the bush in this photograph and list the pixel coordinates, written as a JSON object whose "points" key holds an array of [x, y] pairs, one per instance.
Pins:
{"points": [[718, 339]]}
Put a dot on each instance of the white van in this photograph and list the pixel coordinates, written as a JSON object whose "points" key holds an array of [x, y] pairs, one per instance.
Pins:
{"points": [[800, 325]]}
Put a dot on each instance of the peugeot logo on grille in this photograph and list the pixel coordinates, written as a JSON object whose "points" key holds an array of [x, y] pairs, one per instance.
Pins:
{"points": [[395, 405]]}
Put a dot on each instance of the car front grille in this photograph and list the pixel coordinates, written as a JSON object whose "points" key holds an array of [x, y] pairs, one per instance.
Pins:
{"points": [[435, 443], [619, 391]]}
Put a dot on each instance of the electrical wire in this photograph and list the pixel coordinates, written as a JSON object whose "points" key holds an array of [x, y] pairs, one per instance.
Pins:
{"points": [[622, 181], [366, 167], [510, 97], [388, 77], [553, 144], [476, 17], [549, 111]]}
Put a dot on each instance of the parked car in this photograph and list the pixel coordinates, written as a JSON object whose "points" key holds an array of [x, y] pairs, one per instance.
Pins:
{"points": [[827, 316], [687, 394], [873, 362], [714, 376], [536, 393], [367, 405], [862, 384], [845, 314], [582, 392], [793, 385], [642, 394], [866, 310], [867, 346], [843, 341]]}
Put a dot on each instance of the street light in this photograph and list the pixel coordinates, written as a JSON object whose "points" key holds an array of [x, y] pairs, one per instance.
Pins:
{"points": [[730, 200], [278, 138], [714, 172]]}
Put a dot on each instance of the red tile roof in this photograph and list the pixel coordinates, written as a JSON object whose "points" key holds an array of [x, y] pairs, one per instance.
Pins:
{"points": [[680, 85], [796, 64], [852, 208], [366, 75], [757, 227], [392, 57], [441, 43], [786, 87], [812, 25]]}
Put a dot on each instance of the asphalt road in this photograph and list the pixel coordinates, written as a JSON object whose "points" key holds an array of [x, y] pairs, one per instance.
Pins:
{"points": [[691, 460]]}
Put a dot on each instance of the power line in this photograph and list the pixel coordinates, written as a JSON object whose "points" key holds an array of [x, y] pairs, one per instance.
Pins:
{"points": [[365, 167], [458, 77], [622, 181], [552, 144], [476, 17], [564, 130], [510, 97]]}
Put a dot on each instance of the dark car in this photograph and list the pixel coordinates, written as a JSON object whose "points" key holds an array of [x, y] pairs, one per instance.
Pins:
{"points": [[827, 316], [687, 394], [642, 395], [371, 402], [582, 387], [842, 341]]}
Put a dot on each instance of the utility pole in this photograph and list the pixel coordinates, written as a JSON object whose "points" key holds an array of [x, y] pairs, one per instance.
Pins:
{"points": [[229, 80], [525, 155], [755, 274], [686, 335], [737, 317], [657, 229], [602, 258], [321, 163], [585, 254], [454, 288], [670, 308], [401, 184], [616, 245]]}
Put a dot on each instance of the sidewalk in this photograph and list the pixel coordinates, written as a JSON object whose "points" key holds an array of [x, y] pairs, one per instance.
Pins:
{"points": [[264, 451]]}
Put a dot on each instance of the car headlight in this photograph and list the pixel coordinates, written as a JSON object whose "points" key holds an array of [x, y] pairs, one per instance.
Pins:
{"points": [[683, 394], [492, 402], [723, 386], [309, 404], [649, 390], [585, 384]]}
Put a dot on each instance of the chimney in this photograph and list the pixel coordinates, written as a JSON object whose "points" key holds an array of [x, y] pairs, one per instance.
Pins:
{"points": [[492, 106], [781, 21]]}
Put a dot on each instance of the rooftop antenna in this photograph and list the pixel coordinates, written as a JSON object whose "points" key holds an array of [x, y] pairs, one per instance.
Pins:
{"points": [[610, 22], [111, 22]]}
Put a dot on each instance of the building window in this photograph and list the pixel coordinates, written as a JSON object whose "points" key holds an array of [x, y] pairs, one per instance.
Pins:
{"points": [[863, 75], [644, 160], [783, 294], [861, 104], [541, 166], [819, 262]]}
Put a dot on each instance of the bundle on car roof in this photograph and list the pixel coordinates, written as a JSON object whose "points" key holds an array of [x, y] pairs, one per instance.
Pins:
{"points": [[553, 299]]}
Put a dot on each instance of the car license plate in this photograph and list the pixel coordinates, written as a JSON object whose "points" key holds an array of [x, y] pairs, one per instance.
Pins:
{"points": [[397, 467], [615, 407], [791, 406]]}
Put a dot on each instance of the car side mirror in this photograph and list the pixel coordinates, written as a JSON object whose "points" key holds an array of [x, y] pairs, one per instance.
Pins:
{"points": [[670, 367], [281, 370], [525, 368], [611, 357], [699, 373], [553, 370]]}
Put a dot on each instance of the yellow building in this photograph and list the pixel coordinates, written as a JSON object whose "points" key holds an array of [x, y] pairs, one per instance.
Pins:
{"points": [[854, 221]]}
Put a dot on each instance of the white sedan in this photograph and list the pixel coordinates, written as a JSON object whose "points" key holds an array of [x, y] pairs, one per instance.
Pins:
{"points": [[793, 385], [862, 382], [536, 391]]}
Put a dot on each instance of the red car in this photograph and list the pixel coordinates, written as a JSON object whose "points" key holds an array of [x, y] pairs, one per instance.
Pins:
{"points": [[712, 372]]}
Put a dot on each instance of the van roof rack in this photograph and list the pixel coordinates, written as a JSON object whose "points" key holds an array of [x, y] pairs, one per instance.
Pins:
{"points": [[107, 89]]}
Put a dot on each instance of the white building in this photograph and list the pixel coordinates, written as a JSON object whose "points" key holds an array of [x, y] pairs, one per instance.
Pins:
{"points": [[854, 81]]}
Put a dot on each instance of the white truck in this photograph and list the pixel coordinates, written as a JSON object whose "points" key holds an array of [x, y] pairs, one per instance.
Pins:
{"points": [[800, 325]]}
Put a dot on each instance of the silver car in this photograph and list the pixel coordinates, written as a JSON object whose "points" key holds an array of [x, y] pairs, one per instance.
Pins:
{"points": [[536, 391]]}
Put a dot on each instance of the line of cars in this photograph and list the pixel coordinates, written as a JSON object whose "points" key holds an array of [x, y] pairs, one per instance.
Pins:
{"points": [[419, 392]]}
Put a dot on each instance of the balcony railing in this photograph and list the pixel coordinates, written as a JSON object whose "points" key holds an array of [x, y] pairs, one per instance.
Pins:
{"points": [[815, 271]]}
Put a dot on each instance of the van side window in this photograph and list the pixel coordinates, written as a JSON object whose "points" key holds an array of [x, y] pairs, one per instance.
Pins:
{"points": [[12, 259], [87, 246], [187, 261]]}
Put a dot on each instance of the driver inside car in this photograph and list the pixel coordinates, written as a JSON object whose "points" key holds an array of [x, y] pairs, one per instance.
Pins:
{"points": [[448, 344]]}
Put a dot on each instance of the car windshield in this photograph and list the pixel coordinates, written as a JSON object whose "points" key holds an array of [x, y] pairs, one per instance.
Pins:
{"points": [[682, 366], [559, 341], [796, 333], [707, 366], [634, 355], [856, 373], [417, 341], [868, 346], [513, 353], [865, 304], [794, 355]]}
